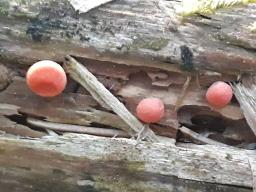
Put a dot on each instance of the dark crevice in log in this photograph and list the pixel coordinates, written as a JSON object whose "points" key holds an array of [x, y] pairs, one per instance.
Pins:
{"points": [[72, 86], [212, 125], [11, 127], [21, 119], [101, 126]]}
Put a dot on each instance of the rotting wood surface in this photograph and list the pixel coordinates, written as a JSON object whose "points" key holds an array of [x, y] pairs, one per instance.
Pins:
{"points": [[135, 50], [78, 162], [132, 49], [128, 32]]}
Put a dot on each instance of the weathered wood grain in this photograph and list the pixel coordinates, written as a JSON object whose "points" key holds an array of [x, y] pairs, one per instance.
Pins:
{"points": [[123, 33], [78, 162], [131, 32]]}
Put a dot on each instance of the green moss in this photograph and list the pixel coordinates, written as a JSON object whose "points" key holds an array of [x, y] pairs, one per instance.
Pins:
{"points": [[228, 156], [135, 166], [118, 176], [4, 7], [126, 185], [233, 40], [23, 1], [2, 151], [209, 6], [155, 44], [51, 183], [21, 12], [25, 15]]}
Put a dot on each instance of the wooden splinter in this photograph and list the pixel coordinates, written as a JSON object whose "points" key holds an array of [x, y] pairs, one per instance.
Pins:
{"points": [[105, 98], [77, 128], [198, 137]]}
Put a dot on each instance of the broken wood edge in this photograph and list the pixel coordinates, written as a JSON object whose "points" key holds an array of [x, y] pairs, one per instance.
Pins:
{"points": [[246, 99], [79, 73], [252, 163]]}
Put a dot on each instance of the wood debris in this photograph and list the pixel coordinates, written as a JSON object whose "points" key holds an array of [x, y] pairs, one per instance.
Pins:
{"points": [[105, 98], [83, 6], [130, 63]]}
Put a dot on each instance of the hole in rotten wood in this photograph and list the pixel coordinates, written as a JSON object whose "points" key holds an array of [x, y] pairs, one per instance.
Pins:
{"points": [[140, 79], [200, 119], [102, 126], [214, 126], [72, 86], [21, 119], [211, 123], [234, 100]]}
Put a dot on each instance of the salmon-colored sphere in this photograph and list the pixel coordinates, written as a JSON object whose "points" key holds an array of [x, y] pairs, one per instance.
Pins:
{"points": [[46, 78], [150, 110], [219, 94]]}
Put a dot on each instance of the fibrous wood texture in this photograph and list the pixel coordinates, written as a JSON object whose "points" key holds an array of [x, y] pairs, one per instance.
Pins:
{"points": [[135, 45], [78, 162], [136, 49], [124, 31]]}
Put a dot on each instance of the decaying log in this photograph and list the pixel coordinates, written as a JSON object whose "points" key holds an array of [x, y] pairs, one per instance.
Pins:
{"points": [[76, 109], [77, 162], [68, 108], [117, 43], [136, 49], [128, 32]]}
